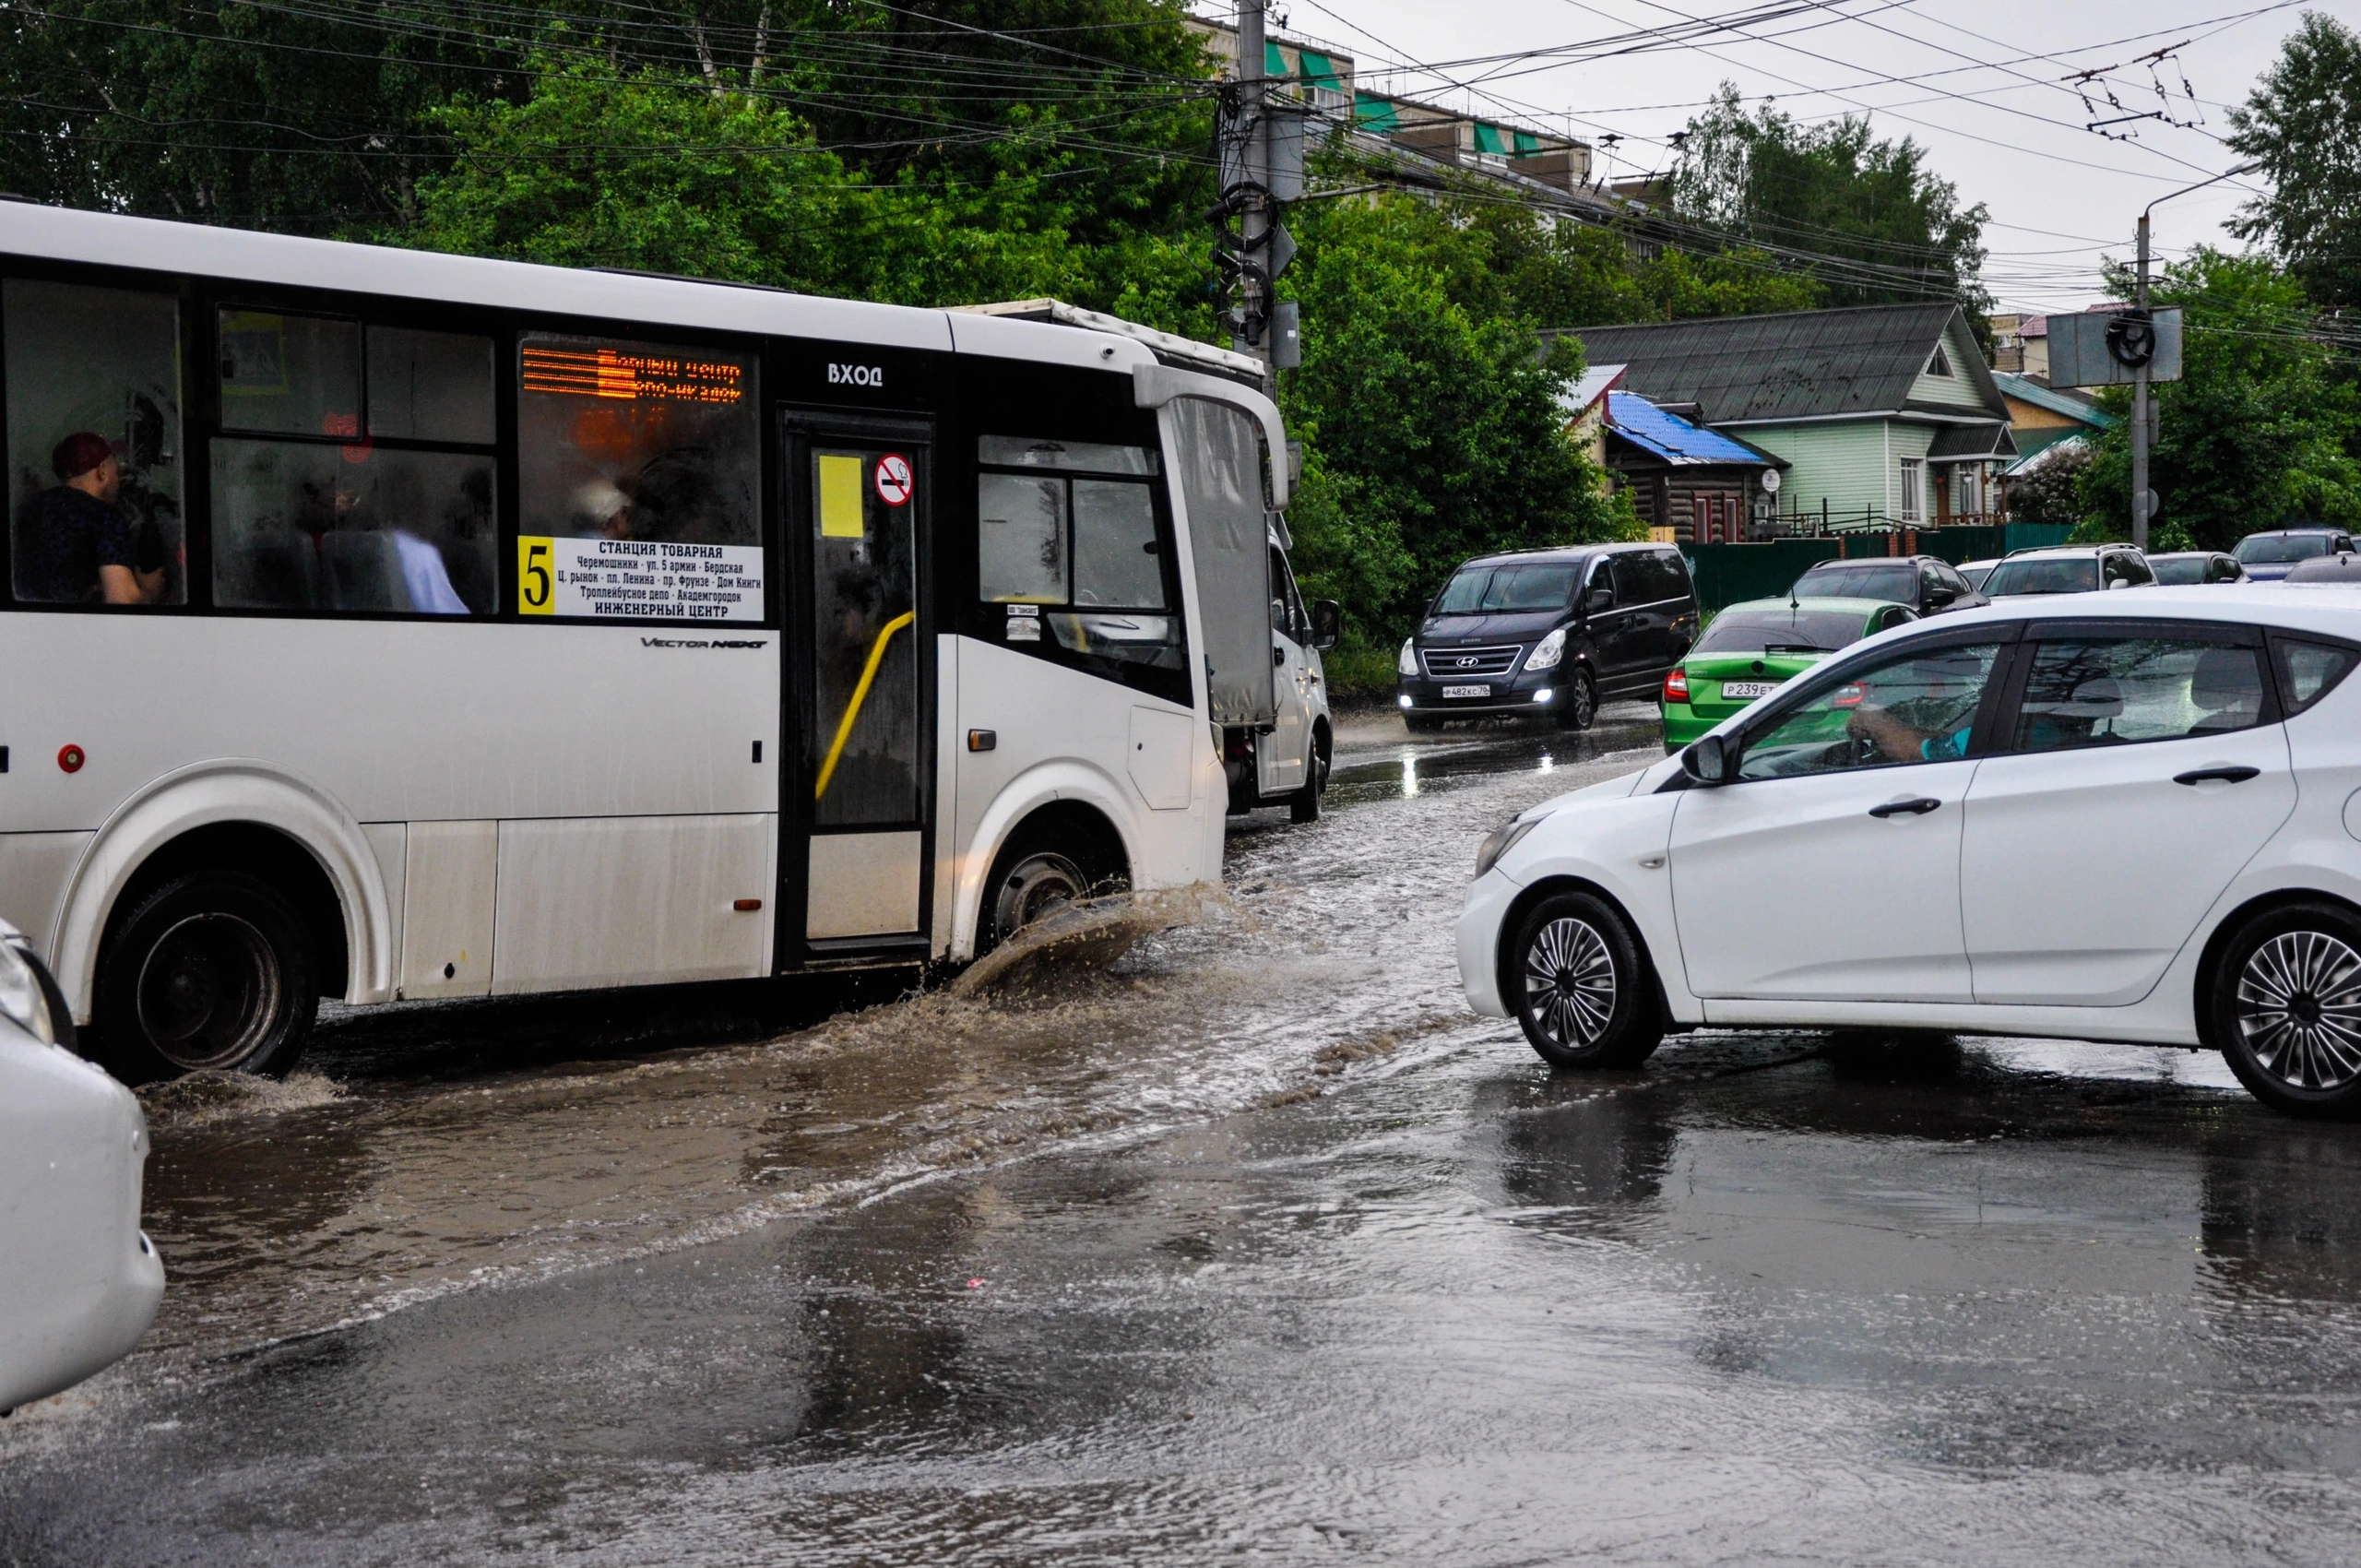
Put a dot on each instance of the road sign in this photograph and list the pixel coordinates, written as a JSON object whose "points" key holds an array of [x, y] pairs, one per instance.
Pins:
{"points": [[893, 483], [2107, 348]]}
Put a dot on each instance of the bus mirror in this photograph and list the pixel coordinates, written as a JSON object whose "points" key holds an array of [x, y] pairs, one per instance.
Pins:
{"points": [[1327, 622]]}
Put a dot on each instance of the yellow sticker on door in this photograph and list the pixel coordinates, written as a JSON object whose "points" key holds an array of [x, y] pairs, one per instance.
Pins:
{"points": [[840, 497]]}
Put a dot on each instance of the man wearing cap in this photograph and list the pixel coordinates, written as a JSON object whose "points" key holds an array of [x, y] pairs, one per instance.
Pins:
{"points": [[73, 543]]}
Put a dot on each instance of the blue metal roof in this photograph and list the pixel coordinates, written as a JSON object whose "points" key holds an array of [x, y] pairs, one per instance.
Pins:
{"points": [[1671, 437]]}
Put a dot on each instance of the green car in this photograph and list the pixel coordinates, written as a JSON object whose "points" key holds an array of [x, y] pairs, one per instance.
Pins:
{"points": [[1751, 649]]}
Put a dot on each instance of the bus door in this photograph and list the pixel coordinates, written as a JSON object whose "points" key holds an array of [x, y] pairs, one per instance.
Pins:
{"points": [[858, 686]]}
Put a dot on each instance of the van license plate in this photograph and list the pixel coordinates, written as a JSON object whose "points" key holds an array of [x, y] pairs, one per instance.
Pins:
{"points": [[1468, 691], [1749, 689]]}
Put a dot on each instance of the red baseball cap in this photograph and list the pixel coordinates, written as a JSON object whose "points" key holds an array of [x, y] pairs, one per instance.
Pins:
{"points": [[78, 454]]}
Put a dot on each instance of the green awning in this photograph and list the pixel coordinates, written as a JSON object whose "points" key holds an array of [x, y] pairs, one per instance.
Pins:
{"points": [[1378, 113], [1487, 138], [1318, 69], [1528, 144], [1273, 62]]}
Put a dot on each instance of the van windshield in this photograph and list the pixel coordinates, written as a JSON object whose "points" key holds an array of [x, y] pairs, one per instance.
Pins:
{"points": [[1498, 590]]}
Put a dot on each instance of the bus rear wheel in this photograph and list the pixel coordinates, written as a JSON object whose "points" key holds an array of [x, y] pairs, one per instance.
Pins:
{"points": [[212, 971]]}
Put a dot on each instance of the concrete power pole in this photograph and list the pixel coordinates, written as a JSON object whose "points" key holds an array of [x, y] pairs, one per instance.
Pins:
{"points": [[2143, 501], [1261, 144], [1255, 219]]}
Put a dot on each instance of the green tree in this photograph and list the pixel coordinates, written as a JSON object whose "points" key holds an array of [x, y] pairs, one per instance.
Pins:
{"points": [[2254, 435], [1435, 416], [2303, 124], [1867, 219]]}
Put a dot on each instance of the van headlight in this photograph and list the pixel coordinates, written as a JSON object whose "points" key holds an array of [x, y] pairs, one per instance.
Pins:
{"points": [[1408, 663], [21, 996], [1501, 840], [1548, 651]]}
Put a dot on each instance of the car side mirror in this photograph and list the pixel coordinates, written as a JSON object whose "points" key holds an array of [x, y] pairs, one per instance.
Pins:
{"points": [[1327, 622], [1712, 761], [2120, 582], [1597, 599]]}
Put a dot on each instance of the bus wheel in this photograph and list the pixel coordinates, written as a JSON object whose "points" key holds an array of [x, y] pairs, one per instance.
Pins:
{"points": [[211, 971], [1026, 886]]}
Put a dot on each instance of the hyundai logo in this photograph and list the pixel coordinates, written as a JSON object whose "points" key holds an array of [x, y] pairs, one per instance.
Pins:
{"points": [[1468, 664]]}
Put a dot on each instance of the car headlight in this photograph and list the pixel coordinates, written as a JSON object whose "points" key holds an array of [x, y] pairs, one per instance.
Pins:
{"points": [[1548, 651], [21, 996], [1408, 663], [1501, 840]]}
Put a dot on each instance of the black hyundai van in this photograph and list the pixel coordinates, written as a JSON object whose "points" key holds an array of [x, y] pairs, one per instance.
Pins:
{"points": [[1549, 632]]}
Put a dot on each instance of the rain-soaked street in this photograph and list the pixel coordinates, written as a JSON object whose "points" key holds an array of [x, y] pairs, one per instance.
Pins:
{"points": [[1257, 1246]]}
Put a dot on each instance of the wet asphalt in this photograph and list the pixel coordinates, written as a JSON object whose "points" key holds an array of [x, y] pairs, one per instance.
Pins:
{"points": [[1256, 1247]]}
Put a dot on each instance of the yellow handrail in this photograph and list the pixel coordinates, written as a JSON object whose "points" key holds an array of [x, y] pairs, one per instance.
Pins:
{"points": [[860, 695]]}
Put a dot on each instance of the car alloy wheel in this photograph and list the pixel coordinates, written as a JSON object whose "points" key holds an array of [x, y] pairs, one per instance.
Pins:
{"points": [[2299, 1010], [1580, 705], [1570, 983]]}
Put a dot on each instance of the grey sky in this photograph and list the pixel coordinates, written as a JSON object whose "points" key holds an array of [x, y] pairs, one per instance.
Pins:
{"points": [[1978, 81]]}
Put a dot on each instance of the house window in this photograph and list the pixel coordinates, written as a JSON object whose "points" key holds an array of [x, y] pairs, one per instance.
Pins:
{"points": [[1940, 364], [1968, 490], [1914, 489]]}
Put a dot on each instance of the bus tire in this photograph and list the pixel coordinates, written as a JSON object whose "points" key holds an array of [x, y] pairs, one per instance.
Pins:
{"points": [[212, 971]]}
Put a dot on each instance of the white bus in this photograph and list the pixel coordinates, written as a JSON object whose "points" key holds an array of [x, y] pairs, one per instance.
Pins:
{"points": [[385, 624]]}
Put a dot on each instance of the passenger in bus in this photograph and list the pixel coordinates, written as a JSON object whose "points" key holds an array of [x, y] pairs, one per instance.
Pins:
{"points": [[77, 544]]}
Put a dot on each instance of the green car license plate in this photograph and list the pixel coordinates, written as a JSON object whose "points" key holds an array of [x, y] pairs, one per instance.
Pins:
{"points": [[1749, 689]]}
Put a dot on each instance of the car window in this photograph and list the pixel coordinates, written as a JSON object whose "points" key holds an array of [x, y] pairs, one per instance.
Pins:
{"points": [[2070, 573], [1865, 580], [2273, 549], [2180, 569], [1648, 577], [1489, 590], [2309, 672], [1916, 705], [1783, 630], [2226, 570], [2107, 691]]}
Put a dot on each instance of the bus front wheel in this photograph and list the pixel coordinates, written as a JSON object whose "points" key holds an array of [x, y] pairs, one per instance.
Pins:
{"points": [[211, 971]]}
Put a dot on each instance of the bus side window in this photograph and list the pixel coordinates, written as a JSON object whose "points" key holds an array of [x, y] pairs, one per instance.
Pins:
{"points": [[1021, 539], [94, 444], [1075, 528], [310, 512]]}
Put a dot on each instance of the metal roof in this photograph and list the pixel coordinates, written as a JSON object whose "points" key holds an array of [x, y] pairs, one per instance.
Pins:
{"points": [[1596, 382], [1672, 438], [1796, 365], [2027, 390]]}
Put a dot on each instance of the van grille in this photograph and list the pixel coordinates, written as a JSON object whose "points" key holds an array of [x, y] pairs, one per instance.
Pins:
{"points": [[1451, 663]]}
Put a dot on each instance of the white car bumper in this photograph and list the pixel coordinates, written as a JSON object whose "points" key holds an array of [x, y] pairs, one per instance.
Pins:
{"points": [[1479, 941], [78, 1281]]}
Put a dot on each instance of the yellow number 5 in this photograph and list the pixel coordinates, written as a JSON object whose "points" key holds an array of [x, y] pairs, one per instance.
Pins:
{"points": [[534, 592]]}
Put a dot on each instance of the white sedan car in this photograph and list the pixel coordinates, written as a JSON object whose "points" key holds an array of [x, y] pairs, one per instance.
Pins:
{"points": [[2123, 817], [78, 1281]]}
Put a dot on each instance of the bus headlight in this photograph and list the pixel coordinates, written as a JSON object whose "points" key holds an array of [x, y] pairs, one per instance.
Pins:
{"points": [[1408, 663], [1548, 651]]}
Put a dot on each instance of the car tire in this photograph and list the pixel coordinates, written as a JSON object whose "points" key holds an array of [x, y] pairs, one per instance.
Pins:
{"points": [[1420, 724], [212, 971], [1580, 705], [2286, 1009], [1581, 985], [1303, 805]]}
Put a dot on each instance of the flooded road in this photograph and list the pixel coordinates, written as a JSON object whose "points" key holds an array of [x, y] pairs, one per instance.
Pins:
{"points": [[1257, 1246]]}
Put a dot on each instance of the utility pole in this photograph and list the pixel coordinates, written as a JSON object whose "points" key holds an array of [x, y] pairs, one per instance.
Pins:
{"points": [[2143, 500], [1259, 152]]}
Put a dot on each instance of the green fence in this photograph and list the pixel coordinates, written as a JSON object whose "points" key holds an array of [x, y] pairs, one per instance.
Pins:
{"points": [[1729, 574]]}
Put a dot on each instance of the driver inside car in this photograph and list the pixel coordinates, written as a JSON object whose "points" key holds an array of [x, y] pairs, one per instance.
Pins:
{"points": [[1929, 711]]}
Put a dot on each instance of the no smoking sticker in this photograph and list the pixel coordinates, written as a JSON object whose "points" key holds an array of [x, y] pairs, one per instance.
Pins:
{"points": [[893, 479]]}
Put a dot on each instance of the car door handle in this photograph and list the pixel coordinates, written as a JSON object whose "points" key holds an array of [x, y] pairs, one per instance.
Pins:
{"points": [[1918, 807], [2226, 774]]}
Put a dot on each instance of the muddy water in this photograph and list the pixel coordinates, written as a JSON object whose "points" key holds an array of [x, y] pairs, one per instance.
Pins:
{"points": [[447, 1149]]}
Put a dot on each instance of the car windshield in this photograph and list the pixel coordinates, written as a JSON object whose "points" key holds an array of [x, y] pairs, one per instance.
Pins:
{"points": [[1976, 576], [2073, 573], [1488, 590], [1782, 630], [2173, 569], [2269, 548], [1897, 584]]}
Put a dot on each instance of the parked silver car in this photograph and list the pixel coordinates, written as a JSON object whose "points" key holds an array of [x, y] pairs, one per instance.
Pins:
{"points": [[2069, 568]]}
